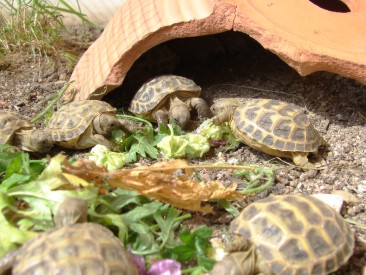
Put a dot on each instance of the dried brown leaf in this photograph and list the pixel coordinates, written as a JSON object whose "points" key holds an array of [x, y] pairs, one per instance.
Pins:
{"points": [[169, 182]]}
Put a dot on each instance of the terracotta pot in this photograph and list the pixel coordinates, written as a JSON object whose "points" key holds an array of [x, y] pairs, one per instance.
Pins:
{"points": [[305, 35]]}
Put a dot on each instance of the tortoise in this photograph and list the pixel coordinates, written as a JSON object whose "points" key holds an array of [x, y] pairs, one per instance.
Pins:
{"points": [[19, 132], [74, 246], [287, 234], [84, 124], [275, 127], [169, 96]]}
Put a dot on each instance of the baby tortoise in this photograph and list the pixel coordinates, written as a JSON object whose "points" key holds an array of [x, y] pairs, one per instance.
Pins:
{"points": [[84, 124], [287, 234], [73, 247], [169, 96], [275, 127], [17, 131]]}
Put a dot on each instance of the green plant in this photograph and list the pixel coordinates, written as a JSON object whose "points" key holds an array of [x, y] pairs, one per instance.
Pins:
{"points": [[35, 26]]}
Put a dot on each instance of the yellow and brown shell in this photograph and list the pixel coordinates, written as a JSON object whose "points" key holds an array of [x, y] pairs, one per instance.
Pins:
{"points": [[84, 248], [11, 122], [71, 120], [295, 234], [275, 127]]}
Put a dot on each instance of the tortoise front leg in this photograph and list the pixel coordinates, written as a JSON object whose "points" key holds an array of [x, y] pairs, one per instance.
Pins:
{"points": [[301, 160], [91, 138], [99, 139], [162, 117], [201, 106], [222, 117]]}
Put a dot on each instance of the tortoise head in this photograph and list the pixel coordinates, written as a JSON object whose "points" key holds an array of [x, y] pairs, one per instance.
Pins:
{"points": [[105, 123], [224, 104], [41, 141], [71, 211], [34, 140], [179, 113]]}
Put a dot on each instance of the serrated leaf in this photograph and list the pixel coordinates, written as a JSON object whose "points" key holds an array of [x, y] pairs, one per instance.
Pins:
{"points": [[145, 243], [167, 225], [141, 212]]}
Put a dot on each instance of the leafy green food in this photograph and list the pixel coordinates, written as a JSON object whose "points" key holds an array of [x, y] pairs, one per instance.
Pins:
{"points": [[142, 142], [191, 145], [29, 205], [148, 227], [194, 246], [257, 179], [17, 168], [101, 155], [218, 133]]}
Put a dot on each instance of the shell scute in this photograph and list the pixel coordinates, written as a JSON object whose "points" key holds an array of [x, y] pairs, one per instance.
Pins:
{"points": [[265, 121], [293, 250]]}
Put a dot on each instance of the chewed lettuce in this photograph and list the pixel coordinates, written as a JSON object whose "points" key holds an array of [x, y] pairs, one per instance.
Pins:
{"points": [[101, 155], [192, 145]]}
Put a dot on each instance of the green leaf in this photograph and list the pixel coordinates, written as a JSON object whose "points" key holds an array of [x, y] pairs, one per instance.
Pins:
{"points": [[194, 245], [228, 206], [141, 142], [141, 212], [173, 147], [218, 132], [102, 156], [10, 236], [206, 263], [43, 195], [145, 243], [18, 163], [167, 224]]}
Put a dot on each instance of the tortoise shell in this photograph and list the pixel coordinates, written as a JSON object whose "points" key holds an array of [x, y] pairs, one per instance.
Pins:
{"points": [[10, 122], [296, 234], [155, 93], [84, 248], [275, 127], [71, 120]]}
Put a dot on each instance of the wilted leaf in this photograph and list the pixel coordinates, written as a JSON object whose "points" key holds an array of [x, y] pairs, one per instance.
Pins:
{"points": [[161, 182]]}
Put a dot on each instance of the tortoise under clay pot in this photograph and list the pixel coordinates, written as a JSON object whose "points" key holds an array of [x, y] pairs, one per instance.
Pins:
{"points": [[169, 96]]}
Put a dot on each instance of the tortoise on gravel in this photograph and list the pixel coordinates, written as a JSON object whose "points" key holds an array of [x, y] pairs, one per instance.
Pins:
{"points": [[287, 234], [19, 132], [169, 96], [73, 247], [84, 124], [275, 127]]}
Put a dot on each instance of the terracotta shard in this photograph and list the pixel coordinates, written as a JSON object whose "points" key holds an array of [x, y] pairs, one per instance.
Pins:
{"points": [[307, 37]]}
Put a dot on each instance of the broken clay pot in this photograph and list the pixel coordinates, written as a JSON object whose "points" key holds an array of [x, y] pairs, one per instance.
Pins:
{"points": [[307, 36]]}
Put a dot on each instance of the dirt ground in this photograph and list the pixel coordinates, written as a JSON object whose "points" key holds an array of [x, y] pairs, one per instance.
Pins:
{"points": [[241, 68]]}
